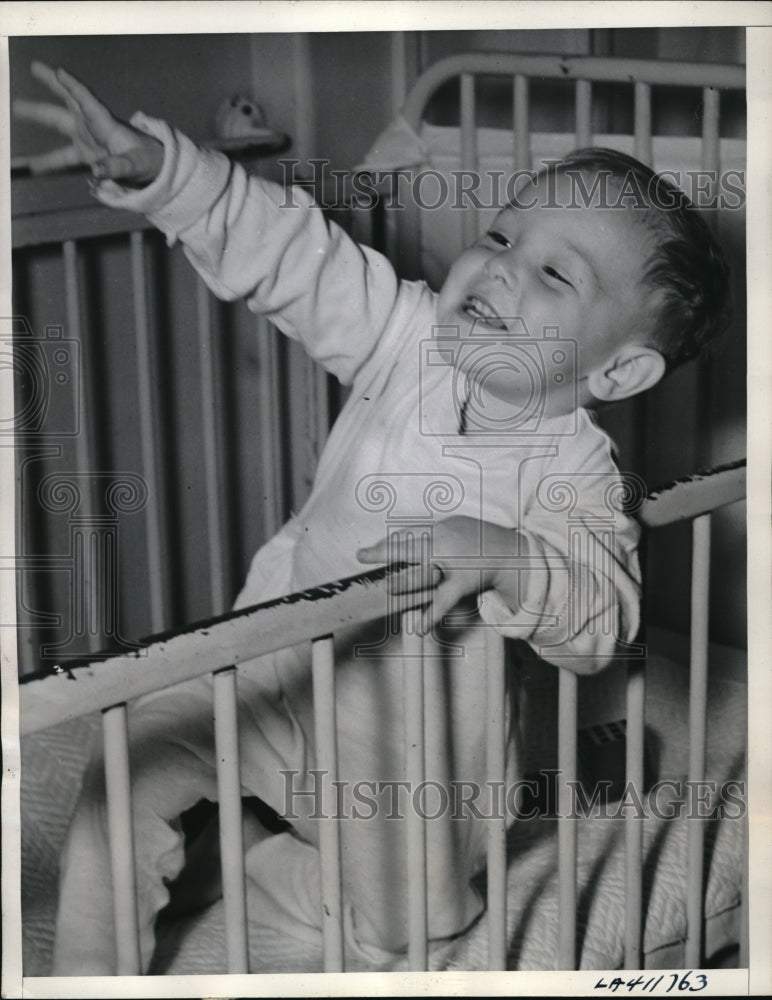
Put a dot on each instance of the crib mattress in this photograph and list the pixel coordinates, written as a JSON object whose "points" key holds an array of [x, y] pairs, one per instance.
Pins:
{"points": [[52, 763]]}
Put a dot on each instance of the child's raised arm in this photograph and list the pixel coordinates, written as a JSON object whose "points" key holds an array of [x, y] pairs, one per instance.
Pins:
{"points": [[247, 237], [113, 149]]}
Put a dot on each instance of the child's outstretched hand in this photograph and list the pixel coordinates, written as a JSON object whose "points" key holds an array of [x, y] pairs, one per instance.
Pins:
{"points": [[451, 568], [113, 149]]}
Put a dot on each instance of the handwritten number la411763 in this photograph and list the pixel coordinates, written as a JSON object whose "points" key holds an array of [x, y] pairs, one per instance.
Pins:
{"points": [[690, 981]]}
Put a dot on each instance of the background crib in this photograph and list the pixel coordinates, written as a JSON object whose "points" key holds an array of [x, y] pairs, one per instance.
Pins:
{"points": [[71, 249]]}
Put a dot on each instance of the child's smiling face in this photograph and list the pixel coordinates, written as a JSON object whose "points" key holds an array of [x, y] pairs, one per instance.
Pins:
{"points": [[575, 269]]}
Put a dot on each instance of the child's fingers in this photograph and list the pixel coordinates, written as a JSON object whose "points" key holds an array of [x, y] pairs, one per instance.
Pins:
{"points": [[51, 115], [117, 168], [99, 117], [78, 98], [417, 577], [47, 76], [373, 553], [56, 159]]}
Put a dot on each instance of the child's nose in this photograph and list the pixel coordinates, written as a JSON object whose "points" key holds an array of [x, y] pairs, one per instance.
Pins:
{"points": [[503, 265]]}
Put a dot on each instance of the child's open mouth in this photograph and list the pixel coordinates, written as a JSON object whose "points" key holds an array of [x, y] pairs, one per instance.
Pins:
{"points": [[481, 311]]}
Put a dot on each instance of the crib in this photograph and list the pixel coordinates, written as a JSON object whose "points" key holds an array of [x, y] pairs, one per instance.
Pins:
{"points": [[98, 504]]}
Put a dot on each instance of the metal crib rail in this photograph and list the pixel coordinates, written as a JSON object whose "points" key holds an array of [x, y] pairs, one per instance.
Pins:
{"points": [[216, 645], [586, 68]]}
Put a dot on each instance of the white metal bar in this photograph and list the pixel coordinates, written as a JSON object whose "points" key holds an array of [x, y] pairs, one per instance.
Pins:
{"points": [[698, 703], [270, 428], [497, 827], [745, 889], [226, 736], [583, 113], [636, 697], [398, 71], [215, 514], [83, 441], [413, 665], [469, 217], [711, 106], [362, 224], [317, 412], [710, 162], [323, 672], [47, 696], [305, 119], [147, 434], [686, 498], [520, 123], [597, 68], [567, 772], [642, 117], [121, 838]]}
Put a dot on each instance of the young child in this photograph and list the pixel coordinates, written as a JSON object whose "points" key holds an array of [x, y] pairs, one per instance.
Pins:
{"points": [[603, 300]]}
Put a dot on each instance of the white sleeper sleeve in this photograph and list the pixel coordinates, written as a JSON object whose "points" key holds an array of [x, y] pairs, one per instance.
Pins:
{"points": [[579, 600], [252, 239]]}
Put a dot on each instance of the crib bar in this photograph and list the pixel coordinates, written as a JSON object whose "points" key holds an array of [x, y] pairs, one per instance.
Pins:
{"points": [[304, 86], [711, 103], [599, 68], [686, 498], [567, 772], [583, 112], [46, 697], [642, 141], [398, 52], [497, 828], [85, 601], [634, 771], [147, 428], [121, 837], [323, 672], [270, 427], [413, 665], [313, 437], [520, 122], [408, 241], [698, 702], [711, 100], [469, 218], [745, 889], [215, 514], [226, 736], [362, 223]]}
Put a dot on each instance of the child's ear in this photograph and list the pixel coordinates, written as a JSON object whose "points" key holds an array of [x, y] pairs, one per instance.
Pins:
{"points": [[632, 370]]}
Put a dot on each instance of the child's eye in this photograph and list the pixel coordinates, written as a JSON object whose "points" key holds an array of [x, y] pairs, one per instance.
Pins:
{"points": [[498, 238], [553, 273]]}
